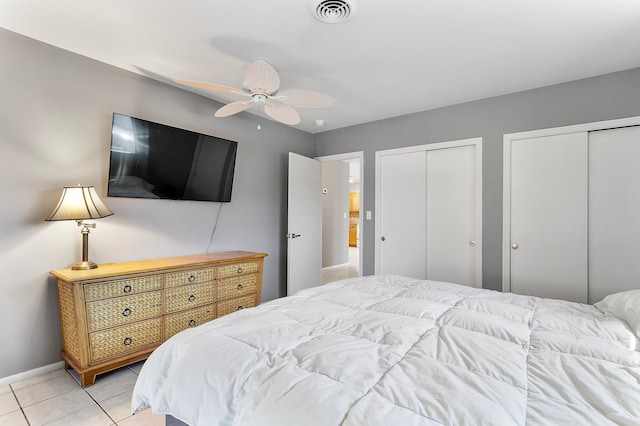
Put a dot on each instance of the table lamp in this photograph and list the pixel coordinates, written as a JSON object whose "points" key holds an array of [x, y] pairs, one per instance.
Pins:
{"points": [[79, 203]]}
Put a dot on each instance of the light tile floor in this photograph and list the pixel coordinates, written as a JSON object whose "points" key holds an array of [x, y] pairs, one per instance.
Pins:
{"points": [[57, 399], [339, 272]]}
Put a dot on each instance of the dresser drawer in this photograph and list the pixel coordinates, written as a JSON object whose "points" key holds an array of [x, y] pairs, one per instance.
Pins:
{"points": [[241, 285], [229, 306], [175, 323], [122, 340], [189, 276], [189, 296], [109, 313], [109, 289], [249, 267]]}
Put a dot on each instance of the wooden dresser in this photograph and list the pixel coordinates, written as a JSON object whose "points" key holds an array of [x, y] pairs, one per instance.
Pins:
{"points": [[119, 313]]}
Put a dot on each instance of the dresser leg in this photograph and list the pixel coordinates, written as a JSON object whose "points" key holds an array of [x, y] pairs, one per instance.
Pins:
{"points": [[87, 379], [67, 366]]}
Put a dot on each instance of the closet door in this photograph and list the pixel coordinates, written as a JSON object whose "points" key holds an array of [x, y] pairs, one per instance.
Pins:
{"points": [[428, 208], [548, 253], [402, 214], [451, 215], [614, 211]]}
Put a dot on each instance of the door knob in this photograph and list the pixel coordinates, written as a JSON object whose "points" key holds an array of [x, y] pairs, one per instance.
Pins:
{"points": [[472, 243], [382, 238], [515, 246]]}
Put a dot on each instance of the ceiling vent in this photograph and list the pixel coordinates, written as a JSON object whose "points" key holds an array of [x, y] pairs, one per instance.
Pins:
{"points": [[334, 11]]}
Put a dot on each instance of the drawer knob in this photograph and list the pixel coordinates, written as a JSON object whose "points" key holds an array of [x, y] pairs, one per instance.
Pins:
{"points": [[240, 270], [240, 287], [192, 298], [126, 312], [127, 289], [239, 307], [192, 323], [127, 341], [192, 278]]}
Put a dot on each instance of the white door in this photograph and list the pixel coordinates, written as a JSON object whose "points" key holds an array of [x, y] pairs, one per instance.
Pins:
{"points": [[304, 227], [451, 215], [428, 222], [548, 216], [401, 215], [614, 211]]}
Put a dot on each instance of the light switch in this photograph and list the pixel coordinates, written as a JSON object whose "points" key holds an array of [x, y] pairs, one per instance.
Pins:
{"points": [[368, 214]]}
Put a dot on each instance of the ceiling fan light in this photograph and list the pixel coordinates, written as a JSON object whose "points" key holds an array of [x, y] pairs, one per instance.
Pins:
{"points": [[333, 11]]}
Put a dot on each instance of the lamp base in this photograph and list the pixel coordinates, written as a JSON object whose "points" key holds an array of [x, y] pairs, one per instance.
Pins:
{"points": [[84, 265]]}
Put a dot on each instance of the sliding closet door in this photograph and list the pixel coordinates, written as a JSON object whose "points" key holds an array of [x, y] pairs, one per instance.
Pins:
{"points": [[402, 213], [451, 215], [548, 254], [614, 211], [428, 212]]}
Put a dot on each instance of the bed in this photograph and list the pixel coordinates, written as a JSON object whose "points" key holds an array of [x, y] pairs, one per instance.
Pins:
{"points": [[383, 350]]}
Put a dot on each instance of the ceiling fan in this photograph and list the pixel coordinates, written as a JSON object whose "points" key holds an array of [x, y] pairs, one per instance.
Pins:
{"points": [[261, 85]]}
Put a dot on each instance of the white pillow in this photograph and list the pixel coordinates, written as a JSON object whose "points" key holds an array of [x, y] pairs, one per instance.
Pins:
{"points": [[624, 306]]}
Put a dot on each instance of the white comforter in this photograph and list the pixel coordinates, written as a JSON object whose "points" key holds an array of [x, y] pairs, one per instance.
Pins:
{"points": [[388, 350]]}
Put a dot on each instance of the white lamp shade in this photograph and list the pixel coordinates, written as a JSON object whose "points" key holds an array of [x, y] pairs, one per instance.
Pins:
{"points": [[78, 203]]}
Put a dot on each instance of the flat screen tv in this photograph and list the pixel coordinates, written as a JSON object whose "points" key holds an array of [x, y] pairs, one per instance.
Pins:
{"points": [[151, 160]]}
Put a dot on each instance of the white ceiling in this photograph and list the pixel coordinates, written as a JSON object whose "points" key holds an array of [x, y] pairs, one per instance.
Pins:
{"points": [[390, 58]]}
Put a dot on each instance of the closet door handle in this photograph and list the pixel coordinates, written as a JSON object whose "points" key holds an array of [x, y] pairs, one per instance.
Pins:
{"points": [[383, 238], [515, 246], [472, 243]]}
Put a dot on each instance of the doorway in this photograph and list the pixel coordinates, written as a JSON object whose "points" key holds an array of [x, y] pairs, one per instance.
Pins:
{"points": [[342, 217]]}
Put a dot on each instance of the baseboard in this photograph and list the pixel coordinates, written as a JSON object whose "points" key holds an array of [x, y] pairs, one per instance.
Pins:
{"points": [[340, 265], [31, 373]]}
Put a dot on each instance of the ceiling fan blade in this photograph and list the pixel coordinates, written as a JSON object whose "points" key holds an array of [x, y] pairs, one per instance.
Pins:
{"points": [[210, 86], [305, 98], [282, 113], [261, 77], [233, 108]]}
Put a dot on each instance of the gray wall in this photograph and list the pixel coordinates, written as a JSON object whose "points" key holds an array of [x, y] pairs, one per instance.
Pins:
{"points": [[55, 126], [605, 97], [335, 213]]}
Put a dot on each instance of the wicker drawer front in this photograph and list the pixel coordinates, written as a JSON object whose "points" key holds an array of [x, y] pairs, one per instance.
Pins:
{"points": [[118, 311], [175, 323], [238, 268], [109, 289], [122, 340], [242, 285], [189, 296], [229, 306], [190, 276]]}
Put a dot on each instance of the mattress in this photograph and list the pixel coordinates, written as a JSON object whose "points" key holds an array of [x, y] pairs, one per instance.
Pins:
{"points": [[385, 350]]}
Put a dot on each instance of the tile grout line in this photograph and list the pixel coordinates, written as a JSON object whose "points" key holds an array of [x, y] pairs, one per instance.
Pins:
{"points": [[113, 422], [19, 405]]}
